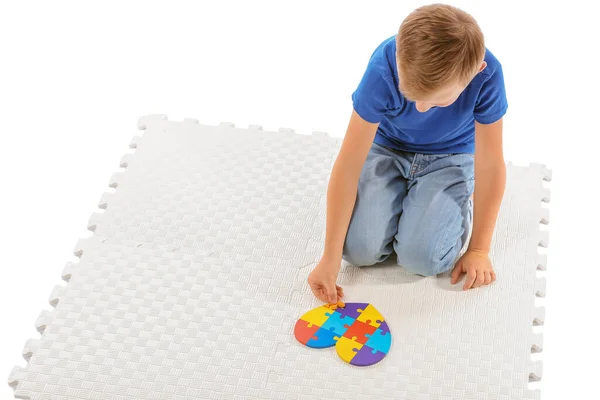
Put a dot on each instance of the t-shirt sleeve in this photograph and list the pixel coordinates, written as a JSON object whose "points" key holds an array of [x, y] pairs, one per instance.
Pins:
{"points": [[372, 97], [491, 103]]}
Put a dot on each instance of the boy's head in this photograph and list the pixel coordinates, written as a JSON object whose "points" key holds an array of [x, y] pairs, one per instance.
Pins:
{"points": [[439, 50]]}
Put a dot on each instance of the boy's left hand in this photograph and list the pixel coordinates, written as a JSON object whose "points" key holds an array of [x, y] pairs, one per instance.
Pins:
{"points": [[478, 267]]}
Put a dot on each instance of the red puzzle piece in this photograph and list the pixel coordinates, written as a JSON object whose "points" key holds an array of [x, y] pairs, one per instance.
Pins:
{"points": [[304, 332], [358, 330]]}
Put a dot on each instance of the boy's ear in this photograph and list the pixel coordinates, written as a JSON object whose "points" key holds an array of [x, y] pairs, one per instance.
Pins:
{"points": [[483, 65]]}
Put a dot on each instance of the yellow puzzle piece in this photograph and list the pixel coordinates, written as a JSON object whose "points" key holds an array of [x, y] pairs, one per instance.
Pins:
{"points": [[317, 316], [370, 314], [345, 348]]}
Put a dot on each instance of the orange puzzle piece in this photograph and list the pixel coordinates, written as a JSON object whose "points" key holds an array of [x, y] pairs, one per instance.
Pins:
{"points": [[304, 331]]}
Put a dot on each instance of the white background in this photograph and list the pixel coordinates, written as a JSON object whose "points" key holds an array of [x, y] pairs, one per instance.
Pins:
{"points": [[74, 77]]}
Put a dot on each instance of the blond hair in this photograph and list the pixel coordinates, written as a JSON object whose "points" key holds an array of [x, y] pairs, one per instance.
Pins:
{"points": [[437, 45]]}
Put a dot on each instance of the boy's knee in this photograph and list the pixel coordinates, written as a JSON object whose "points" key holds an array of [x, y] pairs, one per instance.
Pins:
{"points": [[360, 255], [362, 252], [362, 249], [425, 258]]}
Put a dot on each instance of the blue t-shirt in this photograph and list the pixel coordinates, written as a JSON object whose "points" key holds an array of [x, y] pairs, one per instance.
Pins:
{"points": [[440, 130]]}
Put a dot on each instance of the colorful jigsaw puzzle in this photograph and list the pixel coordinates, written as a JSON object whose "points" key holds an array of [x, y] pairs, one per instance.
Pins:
{"points": [[357, 330]]}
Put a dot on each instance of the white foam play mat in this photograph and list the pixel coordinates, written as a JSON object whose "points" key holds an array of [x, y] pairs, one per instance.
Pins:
{"points": [[195, 276]]}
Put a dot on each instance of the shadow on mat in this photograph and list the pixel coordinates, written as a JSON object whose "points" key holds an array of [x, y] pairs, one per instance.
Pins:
{"points": [[390, 273], [387, 272]]}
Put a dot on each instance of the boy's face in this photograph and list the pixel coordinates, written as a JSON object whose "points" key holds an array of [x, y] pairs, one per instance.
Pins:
{"points": [[445, 96]]}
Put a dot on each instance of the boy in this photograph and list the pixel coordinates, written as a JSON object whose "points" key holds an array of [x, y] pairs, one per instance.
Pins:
{"points": [[427, 120]]}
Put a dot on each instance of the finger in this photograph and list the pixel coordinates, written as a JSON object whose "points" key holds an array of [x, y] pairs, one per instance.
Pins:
{"points": [[456, 273], [471, 276], [479, 280], [488, 278], [320, 294], [493, 274], [340, 291], [319, 291], [331, 294]]}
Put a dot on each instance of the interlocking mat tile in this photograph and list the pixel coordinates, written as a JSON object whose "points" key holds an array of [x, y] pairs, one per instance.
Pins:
{"points": [[195, 276]]}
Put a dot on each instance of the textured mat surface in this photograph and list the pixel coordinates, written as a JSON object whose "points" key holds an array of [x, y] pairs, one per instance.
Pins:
{"points": [[195, 276]]}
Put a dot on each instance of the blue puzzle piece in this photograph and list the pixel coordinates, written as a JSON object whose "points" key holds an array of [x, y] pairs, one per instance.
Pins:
{"points": [[324, 338], [336, 322], [379, 340]]}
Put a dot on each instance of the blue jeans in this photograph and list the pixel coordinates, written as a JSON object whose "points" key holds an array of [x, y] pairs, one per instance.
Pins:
{"points": [[416, 205]]}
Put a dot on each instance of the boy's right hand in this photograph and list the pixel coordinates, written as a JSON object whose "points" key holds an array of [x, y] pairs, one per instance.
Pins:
{"points": [[322, 281]]}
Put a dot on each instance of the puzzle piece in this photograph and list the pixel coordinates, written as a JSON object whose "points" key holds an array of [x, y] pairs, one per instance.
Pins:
{"points": [[351, 309], [370, 316], [384, 327], [357, 331], [317, 316], [304, 331], [366, 356], [335, 306], [345, 348], [322, 338], [379, 340], [337, 322]]}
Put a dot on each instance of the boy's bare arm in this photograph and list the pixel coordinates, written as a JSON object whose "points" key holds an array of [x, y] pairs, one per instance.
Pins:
{"points": [[341, 196], [343, 183], [490, 182]]}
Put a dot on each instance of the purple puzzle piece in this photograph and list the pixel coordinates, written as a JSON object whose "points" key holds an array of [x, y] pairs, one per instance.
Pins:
{"points": [[365, 356], [351, 309], [384, 327]]}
